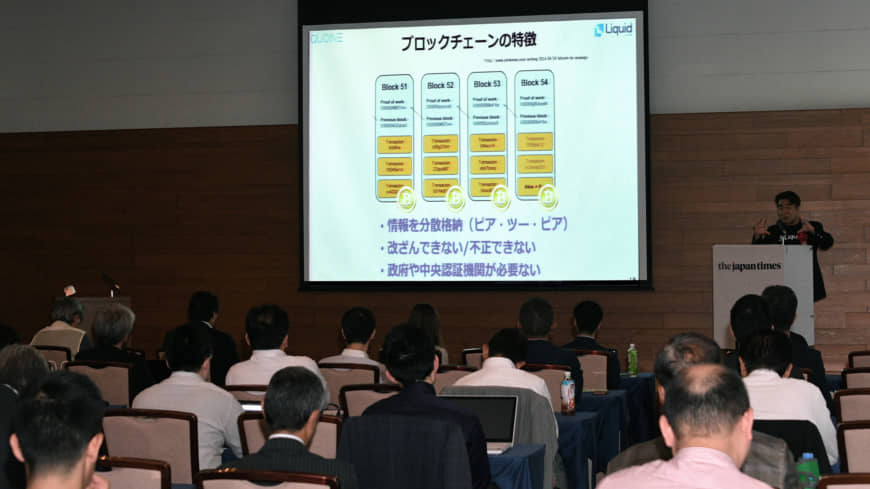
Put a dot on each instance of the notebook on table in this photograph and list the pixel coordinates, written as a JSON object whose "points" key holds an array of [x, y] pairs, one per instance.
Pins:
{"points": [[498, 416]]}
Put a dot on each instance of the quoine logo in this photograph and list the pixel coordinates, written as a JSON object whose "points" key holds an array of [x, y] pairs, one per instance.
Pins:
{"points": [[614, 28]]}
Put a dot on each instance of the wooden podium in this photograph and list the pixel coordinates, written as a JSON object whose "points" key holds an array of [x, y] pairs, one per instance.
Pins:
{"points": [[747, 269]]}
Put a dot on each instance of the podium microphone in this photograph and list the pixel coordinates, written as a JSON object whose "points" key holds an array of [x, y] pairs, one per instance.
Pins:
{"points": [[112, 284]]}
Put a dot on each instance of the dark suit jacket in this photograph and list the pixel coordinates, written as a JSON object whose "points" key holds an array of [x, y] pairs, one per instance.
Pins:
{"points": [[542, 351], [802, 356], [142, 378], [225, 354], [289, 455], [769, 459], [587, 343], [419, 399]]}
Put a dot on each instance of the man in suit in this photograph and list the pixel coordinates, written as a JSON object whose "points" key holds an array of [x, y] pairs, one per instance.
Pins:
{"points": [[782, 306], [586, 321], [536, 320], [204, 309], [292, 408], [769, 458], [411, 361]]}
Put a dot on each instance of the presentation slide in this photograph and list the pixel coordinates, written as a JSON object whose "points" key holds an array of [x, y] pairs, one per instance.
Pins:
{"points": [[493, 150]]}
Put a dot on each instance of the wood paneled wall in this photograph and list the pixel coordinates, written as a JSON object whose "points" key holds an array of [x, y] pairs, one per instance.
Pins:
{"points": [[170, 211]]}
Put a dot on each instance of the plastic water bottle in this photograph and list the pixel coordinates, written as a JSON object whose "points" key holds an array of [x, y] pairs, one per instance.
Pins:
{"points": [[567, 392], [632, 360], [808, 471]]}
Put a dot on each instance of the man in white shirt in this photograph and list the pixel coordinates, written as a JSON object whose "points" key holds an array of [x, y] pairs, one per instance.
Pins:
{"points": [[765, 363], [188, 352], [266, 329], [504, 355], [358, 330]]}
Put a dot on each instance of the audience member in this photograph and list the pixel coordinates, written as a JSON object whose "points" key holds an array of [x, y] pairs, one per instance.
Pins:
{"points": [[188, 352], [266, 330], [358, 330], [782, 304], [410, 358], [292, 408], [426, 316], [765, 362], [66, 315], [204, 309], [111, 329], [8, 336], [586, 322], [21, 367], [57, 433], [749, 315], [769, 458], [503, 356], [708, 425], [536, 320]]}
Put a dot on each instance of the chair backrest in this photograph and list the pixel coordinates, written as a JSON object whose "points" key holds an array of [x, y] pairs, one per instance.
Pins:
{"points": [[70, 338], [155, 434], [325, 440], [449, 374], [553, 376], [140, 473], [800, 435], [845, 481], [852, 404], [410, 451], [858, 359], [594, 364], [535, 423], [243, 479], [338, 375], [354, 399], [853, 440], [253, 431], [247, 392], [115, 379], [473, 357], [856, 378], [56, 356]]}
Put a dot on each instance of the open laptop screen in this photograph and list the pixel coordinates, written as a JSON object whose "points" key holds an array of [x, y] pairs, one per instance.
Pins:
{"points": [[497, 414]]}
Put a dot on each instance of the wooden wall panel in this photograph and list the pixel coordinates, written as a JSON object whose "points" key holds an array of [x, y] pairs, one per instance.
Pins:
{"points": [[170, 211]]}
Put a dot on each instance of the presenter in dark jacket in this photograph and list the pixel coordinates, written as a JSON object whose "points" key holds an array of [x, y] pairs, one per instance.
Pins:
{"points": [[536, 320], [792, 228], [292, 406]]}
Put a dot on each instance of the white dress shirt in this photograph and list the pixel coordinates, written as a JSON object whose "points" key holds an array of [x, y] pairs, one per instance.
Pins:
{"points": [[773, 397], [258, 370], [350, 355], [217, 412], [500, 371]]}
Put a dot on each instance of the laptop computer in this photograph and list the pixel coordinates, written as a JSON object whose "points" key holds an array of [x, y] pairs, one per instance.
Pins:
{"points": [[254, 406], [497, 414]]}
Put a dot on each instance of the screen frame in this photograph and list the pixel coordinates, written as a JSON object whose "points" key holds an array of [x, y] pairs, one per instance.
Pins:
{"points": [[317, 13]]}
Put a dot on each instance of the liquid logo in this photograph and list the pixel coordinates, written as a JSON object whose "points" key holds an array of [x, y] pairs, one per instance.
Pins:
{"points": [[613, 28]]}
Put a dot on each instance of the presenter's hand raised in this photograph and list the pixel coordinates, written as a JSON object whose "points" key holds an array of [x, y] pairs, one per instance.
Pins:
{"points": [[806, 226], [760, 229]]}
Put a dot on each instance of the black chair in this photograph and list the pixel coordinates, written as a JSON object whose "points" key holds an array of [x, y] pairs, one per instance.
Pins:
{"points": [[801, 436]]}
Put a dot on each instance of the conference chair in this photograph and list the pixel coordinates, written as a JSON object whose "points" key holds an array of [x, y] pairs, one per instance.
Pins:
{"points": [[595, 365], [553, 375], [801, 436], [473, 357], [338, 375], [844, 481], [170, 436], [56, 356], [449, 374], [858, 359], [253, 431], [138, 473], [853, 441], [852, 404], [253, 479], [247, 392], [326, 437], [410, 452], [115, 379], [855, 378], [354, 399]]}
